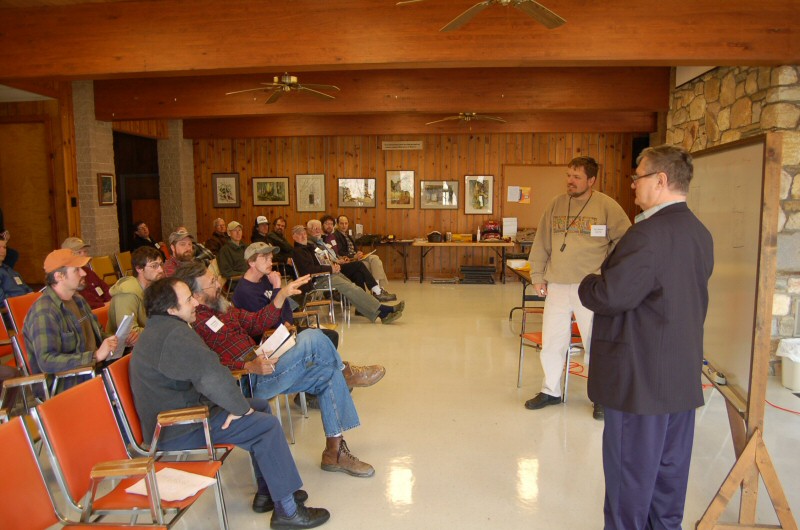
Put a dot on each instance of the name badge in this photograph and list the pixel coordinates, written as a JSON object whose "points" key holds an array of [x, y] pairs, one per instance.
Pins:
{"points": [[17, 280], [268, 294], [599, 230], [99, 291], [214, 324]]}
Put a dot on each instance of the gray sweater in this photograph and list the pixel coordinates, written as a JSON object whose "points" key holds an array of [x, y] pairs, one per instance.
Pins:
{"points": [[172, 368]]}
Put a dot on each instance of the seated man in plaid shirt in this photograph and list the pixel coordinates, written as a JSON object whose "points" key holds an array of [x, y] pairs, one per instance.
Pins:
{"points": [[313, 365]]}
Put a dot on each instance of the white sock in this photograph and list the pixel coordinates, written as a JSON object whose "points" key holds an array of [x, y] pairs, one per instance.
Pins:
{"points": [[376, 289]]}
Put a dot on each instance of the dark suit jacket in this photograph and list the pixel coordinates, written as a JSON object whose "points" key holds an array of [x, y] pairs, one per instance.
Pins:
{"points": [[650, 301], [341, 244]]}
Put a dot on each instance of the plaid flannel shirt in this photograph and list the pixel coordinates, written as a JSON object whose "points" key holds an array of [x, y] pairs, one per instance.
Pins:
{"points": [[54, 336], [233, 339]]}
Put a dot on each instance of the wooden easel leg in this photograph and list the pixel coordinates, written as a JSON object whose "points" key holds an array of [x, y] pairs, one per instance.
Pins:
{"points": [[774, 488]]}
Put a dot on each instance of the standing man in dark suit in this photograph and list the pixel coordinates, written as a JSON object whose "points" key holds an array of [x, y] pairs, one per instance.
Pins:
{"points": [[650, 301]]}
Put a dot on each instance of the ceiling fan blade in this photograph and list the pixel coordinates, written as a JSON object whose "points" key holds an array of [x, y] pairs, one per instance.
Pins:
{"points": [[275, 96], [404, 2], [488, 118], [467, 15], [317, 93], [246, 90], [449, 118], [542, 15], [320, 87]]}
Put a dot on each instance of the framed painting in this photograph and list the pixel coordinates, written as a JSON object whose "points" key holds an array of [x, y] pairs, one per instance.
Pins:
{"points": [[105, 189], [271, 191], [399, 189], [438, 194], [226, 190], [310, 193], [357, 193], [479, 194]]}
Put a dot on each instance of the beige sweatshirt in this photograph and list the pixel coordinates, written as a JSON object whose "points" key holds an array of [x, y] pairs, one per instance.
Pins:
{"points": [[583, 253]]}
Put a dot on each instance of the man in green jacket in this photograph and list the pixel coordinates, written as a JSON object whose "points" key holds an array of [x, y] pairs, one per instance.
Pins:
{"points": [[127, 295]]}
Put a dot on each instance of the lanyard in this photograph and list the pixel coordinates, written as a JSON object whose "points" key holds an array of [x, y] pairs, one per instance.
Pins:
{"points": [[566, 231]]}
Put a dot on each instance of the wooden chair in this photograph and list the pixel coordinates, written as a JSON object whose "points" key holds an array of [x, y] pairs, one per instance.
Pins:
{"points": [[534, 340], [25, 500], [124, 264], [104, 268], [102, 314], [85, 447]]}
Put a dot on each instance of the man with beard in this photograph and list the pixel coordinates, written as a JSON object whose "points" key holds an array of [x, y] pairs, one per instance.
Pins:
{"points": [[181, 245], [313, 365], [60, 330], [305, 259], [277, 238], [577, 231], [127, 295]]}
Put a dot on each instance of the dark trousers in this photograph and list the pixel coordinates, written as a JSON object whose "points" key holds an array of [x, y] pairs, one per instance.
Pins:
{"points": [[359, 274], [261, 435], [646, 464]]}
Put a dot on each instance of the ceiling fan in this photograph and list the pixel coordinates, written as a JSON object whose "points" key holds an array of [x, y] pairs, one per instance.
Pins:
{"points": [[469, 116], [286, 83], [531, 8]]}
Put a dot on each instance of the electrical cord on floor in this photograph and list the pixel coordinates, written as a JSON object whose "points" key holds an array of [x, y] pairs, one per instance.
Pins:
{"points": [[790, 411]]}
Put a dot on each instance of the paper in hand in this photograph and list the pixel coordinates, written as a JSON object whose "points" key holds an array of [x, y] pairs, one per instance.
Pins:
{"points": [[122, 333], [277, 344]]}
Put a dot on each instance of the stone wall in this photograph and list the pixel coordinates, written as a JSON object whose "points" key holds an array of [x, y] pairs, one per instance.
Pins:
{"points": [[729, 103], [94, 147], [176, 181]]}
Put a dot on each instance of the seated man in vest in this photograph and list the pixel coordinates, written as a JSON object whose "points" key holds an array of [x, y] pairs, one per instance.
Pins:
{"points": [[127, 295], [313, 365], [305, 259], [11, 283], [95, 290], [60, 331], [172, 369]]}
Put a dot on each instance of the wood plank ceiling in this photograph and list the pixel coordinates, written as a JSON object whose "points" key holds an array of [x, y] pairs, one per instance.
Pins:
{"points": [[605, 69]]}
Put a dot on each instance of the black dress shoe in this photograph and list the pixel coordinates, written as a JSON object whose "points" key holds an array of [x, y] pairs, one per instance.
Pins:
{"points": [[541, 400], [304, 518], [263, 503], [598, 411]]}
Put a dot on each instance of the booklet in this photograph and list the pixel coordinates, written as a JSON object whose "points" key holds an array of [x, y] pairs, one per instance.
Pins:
{"points": [[277, 344], [122, 333], [365, 256]]}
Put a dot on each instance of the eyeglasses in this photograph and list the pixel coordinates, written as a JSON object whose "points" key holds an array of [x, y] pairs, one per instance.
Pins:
{"points": [[634, 178], [214, 283], [155, 265]]}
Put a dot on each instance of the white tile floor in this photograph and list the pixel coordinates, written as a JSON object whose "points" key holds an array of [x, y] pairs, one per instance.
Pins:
{"points": [[453, 446]]}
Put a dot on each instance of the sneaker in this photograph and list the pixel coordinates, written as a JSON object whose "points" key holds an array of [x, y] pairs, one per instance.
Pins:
{"points": [[598, 412], [383, 296], [304, 518], [391, 317], [541, 400], [362, 376], [343, 460]]}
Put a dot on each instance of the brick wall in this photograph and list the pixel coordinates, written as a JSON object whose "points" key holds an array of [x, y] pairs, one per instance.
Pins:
{"points": [[176, 181]]}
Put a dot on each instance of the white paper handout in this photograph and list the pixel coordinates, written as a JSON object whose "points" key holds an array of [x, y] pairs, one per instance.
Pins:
{"points": [[174, 484], [277, 344], [122, 333]]}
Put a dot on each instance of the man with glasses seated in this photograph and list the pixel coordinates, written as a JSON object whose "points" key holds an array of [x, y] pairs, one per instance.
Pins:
{"points": [[127, 295]]}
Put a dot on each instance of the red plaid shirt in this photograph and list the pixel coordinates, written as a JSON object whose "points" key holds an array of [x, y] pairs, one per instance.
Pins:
{"points": [[234, 338]]}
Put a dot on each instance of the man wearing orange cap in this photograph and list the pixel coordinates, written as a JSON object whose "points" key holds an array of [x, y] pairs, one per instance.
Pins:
{"points": [[60, 331]]}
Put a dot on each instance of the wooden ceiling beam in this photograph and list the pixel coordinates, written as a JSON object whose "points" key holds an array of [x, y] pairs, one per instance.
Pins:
{"points": [[414, 124], [496, 91], [192, 37]]}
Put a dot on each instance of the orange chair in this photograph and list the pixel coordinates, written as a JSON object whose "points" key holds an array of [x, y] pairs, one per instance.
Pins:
{"points": [[534, 340], [102, 314], [81, 435], [24, 497], [6, 348], [18, 307], [118, 386]]}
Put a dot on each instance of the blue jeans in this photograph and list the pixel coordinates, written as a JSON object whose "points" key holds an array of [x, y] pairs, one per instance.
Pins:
{"points": [[313, 366], [261, 434]]}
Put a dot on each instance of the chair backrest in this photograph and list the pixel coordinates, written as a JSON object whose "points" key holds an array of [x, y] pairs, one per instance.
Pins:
{"points": [[164, 248], [104, 268], [6, 349], [18, 307], [124, 263], [102, 314], [118, 383], [79, 429], [24, 498]]}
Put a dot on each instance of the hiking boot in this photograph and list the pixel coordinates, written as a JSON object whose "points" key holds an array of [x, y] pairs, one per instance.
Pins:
{"points": [[337, 457], [362, 376]]}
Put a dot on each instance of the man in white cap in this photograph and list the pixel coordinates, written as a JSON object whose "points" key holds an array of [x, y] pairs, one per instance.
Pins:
{"points": [[260, 230], [96, 290], [231, 256], [180, 244], [60, 331]]}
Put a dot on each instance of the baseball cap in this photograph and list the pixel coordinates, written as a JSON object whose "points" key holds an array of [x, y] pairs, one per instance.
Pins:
{"points": [[63, 257], [179, 235], [296, 229], [260, 220], [259, 248], [233, 224], [74, 244]]}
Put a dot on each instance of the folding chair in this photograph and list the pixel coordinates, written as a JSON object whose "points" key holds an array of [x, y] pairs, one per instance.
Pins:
{"points": [[104, 268], [81, 435], [534, 340], [124, 264], [315, 297], [102, 314], [243, 375], [18, 307], [25, 500], [118, 385]]}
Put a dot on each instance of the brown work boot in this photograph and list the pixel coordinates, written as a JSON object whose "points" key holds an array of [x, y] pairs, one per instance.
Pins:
{"points": [[362, 376], [337, 457]]}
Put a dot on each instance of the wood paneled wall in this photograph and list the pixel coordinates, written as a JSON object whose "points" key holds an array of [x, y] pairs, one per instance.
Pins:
{"points": [[158, 129], [443, 157]]}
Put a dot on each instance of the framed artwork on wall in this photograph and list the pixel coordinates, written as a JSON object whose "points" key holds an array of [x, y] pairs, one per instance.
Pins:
{"points": [[438, 194], [479, 194], [310, 193], [271, 191], [226, 190], [105, 189], [358, 193], [399, 189]]}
